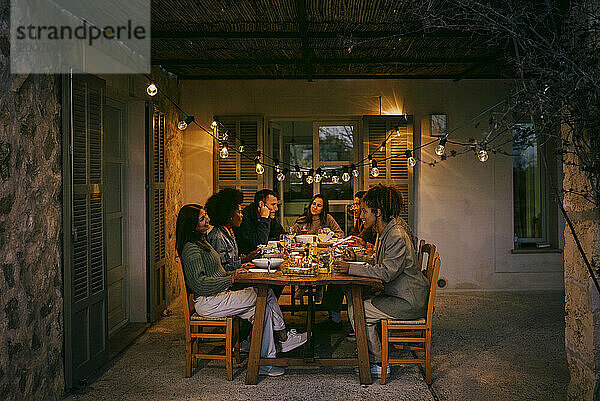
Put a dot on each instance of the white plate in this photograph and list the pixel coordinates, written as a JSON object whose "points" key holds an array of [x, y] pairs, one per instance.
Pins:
{"points": [[358, 263], [306, 238], [255, 270], [264, 262]]}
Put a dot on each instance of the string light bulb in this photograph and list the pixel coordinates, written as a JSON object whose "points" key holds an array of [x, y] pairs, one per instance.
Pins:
{"points": [[277, 167], [309, 177], [152, 90], [374, 169], [225, 136], [335, 179], [345, 175], [259, 167], [318, 177], [482, 155], [224, 153], [354, 170], [214, 124], [298, 172], [242, 146], [183, 124], [441, 148], [409, 157], [397, 130], [280, 176]]}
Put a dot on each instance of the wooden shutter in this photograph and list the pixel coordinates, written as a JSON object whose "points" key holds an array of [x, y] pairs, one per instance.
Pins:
{"points": [[86, 323], [395, 170], [156, 215], [239, 171]]}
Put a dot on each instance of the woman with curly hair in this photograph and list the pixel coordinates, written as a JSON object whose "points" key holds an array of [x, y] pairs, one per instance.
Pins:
{"points": [[212, 286], [406, 289], [225, 211]]}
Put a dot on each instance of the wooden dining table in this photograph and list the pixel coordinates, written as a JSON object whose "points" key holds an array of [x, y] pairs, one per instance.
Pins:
{"points": [[262, 281]]}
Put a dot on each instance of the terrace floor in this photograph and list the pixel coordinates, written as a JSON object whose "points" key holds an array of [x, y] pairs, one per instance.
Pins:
{"points": [[486, 346]]}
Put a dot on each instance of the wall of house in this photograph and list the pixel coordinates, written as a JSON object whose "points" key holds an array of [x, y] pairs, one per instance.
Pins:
{"points": [[31, 302], [463, 206]]}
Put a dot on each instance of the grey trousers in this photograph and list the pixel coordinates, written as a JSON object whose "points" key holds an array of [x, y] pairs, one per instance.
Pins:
{"points": [[372, 317], [242, 303]]}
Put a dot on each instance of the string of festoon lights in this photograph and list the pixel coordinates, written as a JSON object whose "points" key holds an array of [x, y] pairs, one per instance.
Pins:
{"points": [[282, 169]]}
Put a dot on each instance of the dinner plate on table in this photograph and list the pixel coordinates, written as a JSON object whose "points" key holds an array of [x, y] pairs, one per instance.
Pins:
{"points": [[257, 270]]}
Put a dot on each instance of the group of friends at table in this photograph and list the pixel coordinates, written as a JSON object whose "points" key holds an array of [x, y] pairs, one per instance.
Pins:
{"points": [[215, 241]]}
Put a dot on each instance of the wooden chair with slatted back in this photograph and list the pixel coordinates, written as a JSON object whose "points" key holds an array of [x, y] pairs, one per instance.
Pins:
{"points": [[428, 249], [404, 334], [227, 330]]}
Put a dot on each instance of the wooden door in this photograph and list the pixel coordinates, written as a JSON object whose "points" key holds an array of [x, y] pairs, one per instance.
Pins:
{"points": [[85, 292], [156, 213], [114, 214]]}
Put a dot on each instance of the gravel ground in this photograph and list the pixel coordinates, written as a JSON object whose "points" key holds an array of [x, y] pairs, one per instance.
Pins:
{"points": [[486, 346]]}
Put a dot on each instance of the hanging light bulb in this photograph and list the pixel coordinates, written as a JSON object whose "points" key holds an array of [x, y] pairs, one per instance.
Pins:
{"points": [[374, 169], [298, 172], [354, 170], [309, 177], [442, 146], [225, 136], [224, 153], [335, 179], [318, 176], [397, 130], [277, 167], [242, 146], [345, 175], [152, 90], [183, 124], [482, 155], [259, 167], [214, 124], [409, 157], [280, 176]]}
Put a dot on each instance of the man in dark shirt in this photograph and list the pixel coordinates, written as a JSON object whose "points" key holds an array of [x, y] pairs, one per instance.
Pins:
{"points": [[258, 224]]}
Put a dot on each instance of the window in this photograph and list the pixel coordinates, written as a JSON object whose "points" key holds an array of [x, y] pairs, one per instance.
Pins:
{"points": [[534, 226]]}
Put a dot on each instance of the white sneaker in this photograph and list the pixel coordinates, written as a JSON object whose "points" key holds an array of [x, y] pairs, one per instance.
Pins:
{"points": [[272, 371], [294, 340], [375, 370]]}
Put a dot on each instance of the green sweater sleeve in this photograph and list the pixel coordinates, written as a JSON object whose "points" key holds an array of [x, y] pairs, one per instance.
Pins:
{"points": [[203, 272]]}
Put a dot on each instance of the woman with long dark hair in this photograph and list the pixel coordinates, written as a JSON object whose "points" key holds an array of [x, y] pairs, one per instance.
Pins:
{"points": [[212, 286], [406, 289], [317, 217]]}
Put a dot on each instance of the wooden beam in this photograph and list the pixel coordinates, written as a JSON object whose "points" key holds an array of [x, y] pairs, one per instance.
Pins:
{"points": [[194, 35], [333, 76], [307, 53], [196, 62]]}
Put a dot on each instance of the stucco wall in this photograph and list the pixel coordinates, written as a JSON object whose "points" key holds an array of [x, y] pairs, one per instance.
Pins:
{"points": [[463, 206], [31, 321]]}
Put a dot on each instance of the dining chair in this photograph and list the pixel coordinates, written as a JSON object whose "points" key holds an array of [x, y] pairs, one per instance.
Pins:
{"points": [[428, 249], [404, 334], [224, 329]]}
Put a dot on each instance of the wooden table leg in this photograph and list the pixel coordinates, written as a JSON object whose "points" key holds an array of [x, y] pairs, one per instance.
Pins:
{"points": [[257, 334], [309, 353], [360, 329]]}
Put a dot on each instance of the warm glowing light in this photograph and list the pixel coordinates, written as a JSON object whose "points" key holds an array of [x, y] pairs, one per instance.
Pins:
{"points": [[224, 153], [345, 176], [482, 155], [259, 169], [152, 90]]}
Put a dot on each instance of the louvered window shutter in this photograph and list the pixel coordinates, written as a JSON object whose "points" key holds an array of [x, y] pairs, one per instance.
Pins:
{"points": [[86, 324], [395, 170], [239, 170], [157, 257]]}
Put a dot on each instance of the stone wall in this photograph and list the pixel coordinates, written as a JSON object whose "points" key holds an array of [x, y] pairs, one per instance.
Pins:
{"points": [[582, 302], [173, 174], [31, 332]]}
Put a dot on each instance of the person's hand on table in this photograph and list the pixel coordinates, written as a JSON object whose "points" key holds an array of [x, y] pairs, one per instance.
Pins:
{"points": [[239, 270], [359, 241], [341, 266], [252, 255]]}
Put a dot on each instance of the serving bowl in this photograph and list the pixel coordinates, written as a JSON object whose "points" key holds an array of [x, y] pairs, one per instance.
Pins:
{"points": [[265, 263]]}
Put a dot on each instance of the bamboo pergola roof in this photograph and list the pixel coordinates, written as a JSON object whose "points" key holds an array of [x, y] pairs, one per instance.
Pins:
{"points": [[312, 39]]}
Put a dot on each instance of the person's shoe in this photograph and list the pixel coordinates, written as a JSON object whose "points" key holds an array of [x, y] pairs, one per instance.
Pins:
{"points": [[294, 340], [272, 371], [375, 370], [245, 346]]}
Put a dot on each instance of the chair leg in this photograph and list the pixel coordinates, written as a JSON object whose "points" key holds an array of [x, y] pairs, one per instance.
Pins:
{"points": [[384, 350], [188, 359], [229, 348], [236, 346], [428, 356]]}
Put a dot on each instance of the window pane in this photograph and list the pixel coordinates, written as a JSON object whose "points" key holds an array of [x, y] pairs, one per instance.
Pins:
{"points": [[340, 191], [297, 149], [336, 143], [527, 185]]}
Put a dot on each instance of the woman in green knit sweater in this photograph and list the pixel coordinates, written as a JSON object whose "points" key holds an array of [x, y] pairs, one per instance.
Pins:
{"points": [[211, 285]]}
